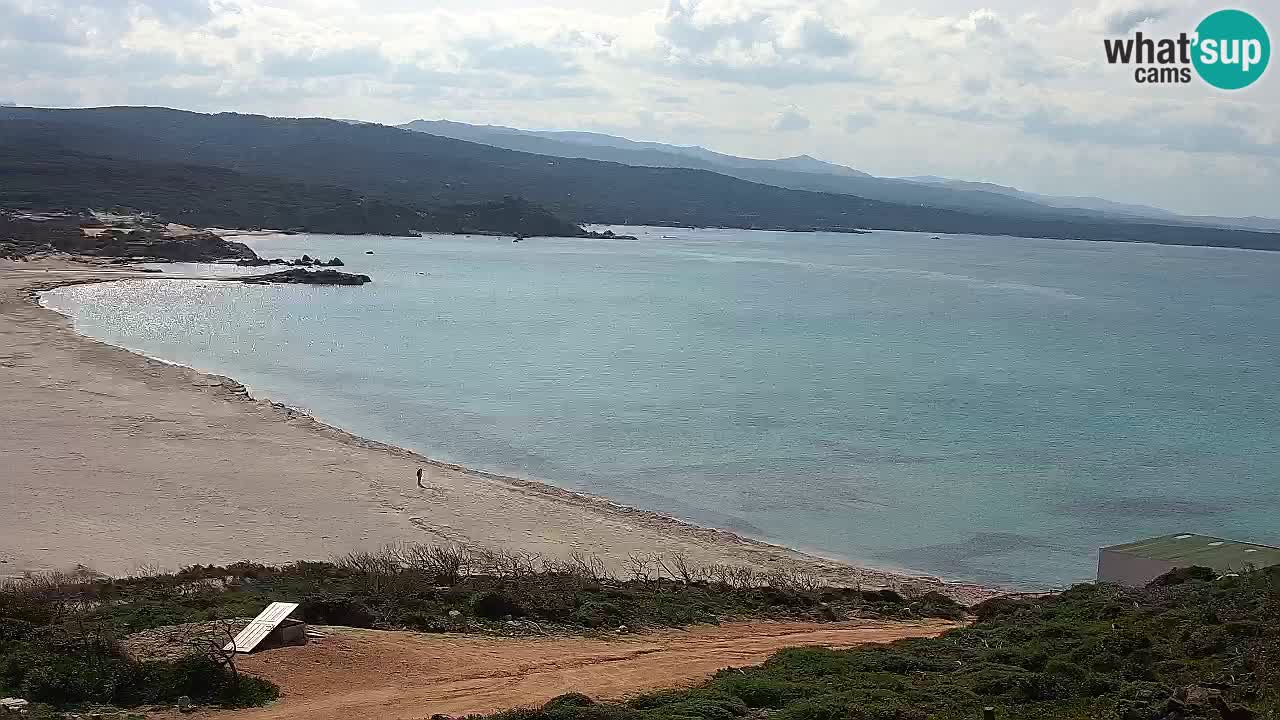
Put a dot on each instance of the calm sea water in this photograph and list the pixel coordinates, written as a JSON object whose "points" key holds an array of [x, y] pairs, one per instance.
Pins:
{"points": [[982, 408]]}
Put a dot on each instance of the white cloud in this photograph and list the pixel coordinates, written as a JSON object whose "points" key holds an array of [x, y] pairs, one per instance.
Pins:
{"points": [[749, 43], [1122, 22], [857, 121], [1121, 17], [790, 120], [323, 62], [488, 53]]}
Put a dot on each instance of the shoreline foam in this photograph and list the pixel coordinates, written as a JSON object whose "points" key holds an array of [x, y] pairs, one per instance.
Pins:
{"points": [[621, 529]]}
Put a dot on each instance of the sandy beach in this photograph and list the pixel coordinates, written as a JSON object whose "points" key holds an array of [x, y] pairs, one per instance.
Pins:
{"points": [[115, 461]]}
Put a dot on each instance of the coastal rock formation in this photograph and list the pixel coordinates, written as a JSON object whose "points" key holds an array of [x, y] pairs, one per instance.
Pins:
{"points": [[302, 276], [608, 235], [304, 261], [200, 247], [133, 237]]}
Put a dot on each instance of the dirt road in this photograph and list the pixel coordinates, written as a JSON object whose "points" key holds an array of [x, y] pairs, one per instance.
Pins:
{"points": [[355, 674]]}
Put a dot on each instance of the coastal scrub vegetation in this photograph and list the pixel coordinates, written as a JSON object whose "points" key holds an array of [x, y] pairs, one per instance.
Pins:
{"points": [[58, 657], [1190, 645], [61, 636]]}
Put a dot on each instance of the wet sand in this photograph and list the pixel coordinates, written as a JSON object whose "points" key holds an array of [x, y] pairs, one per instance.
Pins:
{"points": [[115, 461]]}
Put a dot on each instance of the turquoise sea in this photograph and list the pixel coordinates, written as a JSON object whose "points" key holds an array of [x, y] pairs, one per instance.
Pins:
{"points": [[981, 408]]}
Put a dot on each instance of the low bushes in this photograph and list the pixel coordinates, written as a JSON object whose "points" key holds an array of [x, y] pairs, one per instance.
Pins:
{"points": [[58, 632], [68, 664], [1189, 646], [436, 588]]}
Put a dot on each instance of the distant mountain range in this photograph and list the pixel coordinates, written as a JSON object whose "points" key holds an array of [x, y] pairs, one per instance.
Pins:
{"points": [[598, 146], [1072, 202], [315, 173], [804, 172], [1107, 207]]}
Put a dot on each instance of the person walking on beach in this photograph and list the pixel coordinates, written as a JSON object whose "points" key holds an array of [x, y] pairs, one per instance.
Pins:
{"points": [[424, 487]]}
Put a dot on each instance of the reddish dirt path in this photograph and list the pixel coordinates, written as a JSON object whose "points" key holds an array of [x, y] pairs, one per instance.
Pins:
{"points": [[355, 674]]}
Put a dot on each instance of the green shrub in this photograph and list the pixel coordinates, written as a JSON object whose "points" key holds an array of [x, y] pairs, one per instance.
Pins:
{"points": [[325, 609], [935, 604], [595, 614], [998, 606], [1180, 576], [706, 703], [495, 605], [67, 665], [1065, 669], [572, 699], [816, 709], [758, 692]]}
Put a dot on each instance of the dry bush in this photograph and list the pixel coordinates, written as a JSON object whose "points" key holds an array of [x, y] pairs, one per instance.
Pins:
{"points": [[380, 570], [45, 597], [382, 562], [511, 566], [148, 570], [679, 568], [578, 569], [450, 563], [589, 567], [733, 576], [792, 579], [446, 564], [641, 566], [406, 564]]}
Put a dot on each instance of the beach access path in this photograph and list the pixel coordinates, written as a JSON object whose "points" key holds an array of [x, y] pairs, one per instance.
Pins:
{"points": [[352, 674], [115, 461]]}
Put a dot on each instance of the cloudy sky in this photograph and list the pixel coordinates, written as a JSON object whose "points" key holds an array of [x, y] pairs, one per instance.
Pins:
{"points": [[1007, 91]]}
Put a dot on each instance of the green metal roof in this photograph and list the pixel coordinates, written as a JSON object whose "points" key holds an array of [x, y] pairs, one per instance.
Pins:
{"points": [[1189, 549]]}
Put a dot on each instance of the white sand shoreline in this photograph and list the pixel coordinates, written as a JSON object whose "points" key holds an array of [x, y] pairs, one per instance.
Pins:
{"points": [[366, 495]]}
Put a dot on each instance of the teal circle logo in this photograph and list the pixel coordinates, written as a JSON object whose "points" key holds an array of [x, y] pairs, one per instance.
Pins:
{"points": [[1232, 49]]}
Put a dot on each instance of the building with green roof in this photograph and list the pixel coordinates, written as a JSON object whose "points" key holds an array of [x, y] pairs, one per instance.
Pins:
{"points": [[1138, 563]]}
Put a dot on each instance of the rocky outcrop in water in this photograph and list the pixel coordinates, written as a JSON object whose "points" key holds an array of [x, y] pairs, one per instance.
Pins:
{"points": [[302, 276], [608, 235], [304, 261]]}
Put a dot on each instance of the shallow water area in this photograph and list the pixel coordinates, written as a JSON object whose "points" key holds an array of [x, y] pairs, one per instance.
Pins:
{"points": [[982, 408]]}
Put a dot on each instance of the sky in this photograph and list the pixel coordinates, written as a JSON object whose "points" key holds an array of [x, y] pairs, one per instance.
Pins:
{"points": [[1016, 93]]}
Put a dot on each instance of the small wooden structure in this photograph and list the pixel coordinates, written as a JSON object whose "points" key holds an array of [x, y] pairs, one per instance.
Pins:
{"points": [[272, 628]]}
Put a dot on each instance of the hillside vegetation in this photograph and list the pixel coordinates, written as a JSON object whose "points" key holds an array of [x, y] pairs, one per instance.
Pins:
{"points": [[39, 171], [1191, 645], [61, 636], [423, 171], [1188, 646]]}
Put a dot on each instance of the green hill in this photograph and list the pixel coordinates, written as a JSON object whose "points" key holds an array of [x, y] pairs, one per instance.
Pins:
{"points": [[419, 170]]}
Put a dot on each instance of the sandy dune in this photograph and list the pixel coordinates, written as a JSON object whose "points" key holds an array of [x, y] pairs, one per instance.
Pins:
{"points": [[113, 460], [360, 674]]}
